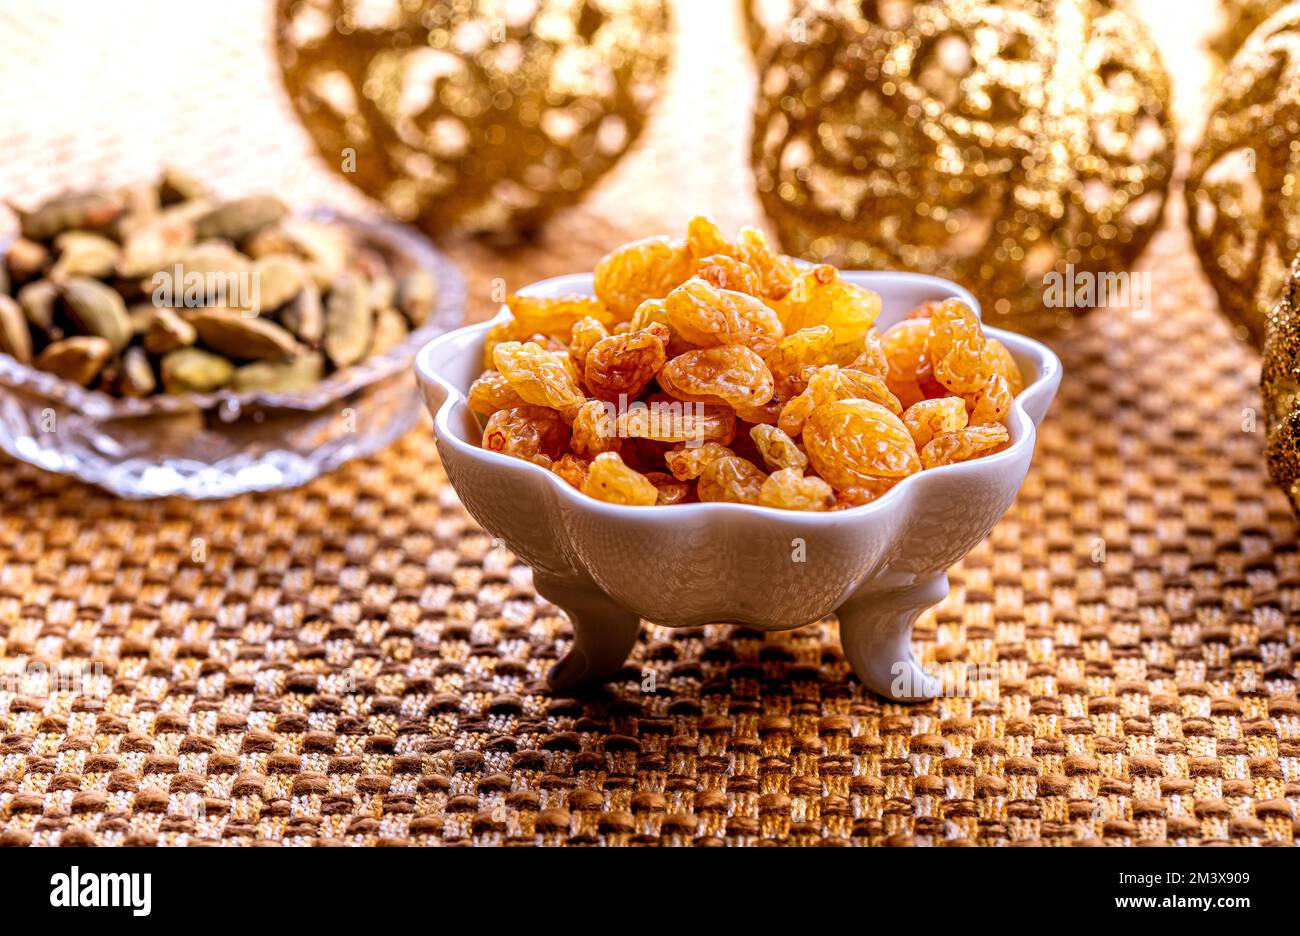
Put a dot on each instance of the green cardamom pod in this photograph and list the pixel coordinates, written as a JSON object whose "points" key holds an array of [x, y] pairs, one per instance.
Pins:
{"points": [[96, 309], [297, 373], [167, 331], [87, 211], [390, 331], [83, 254], [27, 260], [241, 218], [15, 337], [349, 322], [135, 378], [193, 370], [78, 359], [417, 293], [241, 336], [304, 315]]}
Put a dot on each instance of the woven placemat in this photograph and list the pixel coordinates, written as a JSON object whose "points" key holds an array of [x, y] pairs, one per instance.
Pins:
{"points": [[355, 662]]}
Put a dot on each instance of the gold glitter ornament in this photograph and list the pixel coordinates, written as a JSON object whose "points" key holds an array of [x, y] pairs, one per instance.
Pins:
{"points": [[1242, 202], [1280, 386], [484, 115], [1237, 20], [989, 143]]}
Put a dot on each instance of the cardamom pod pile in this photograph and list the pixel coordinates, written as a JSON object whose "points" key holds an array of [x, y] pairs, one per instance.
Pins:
{"points": [[161, 288]]}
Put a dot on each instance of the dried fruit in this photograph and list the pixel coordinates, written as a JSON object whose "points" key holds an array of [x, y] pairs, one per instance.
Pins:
{"points": [[717, 359], [707, 316], [492, 392], [135, 376], [641, 270], [732, 479], [929, 418], [240, 218], [595, 429], [778, 449], [167, 331], [854, 441], [83, 254], [963, 445], [730, 374], [788, 489], [622, 365], [527, 432], [390, 331], [539, 376], [96, 310], [610, 480], [417, 294], [828, 384]]}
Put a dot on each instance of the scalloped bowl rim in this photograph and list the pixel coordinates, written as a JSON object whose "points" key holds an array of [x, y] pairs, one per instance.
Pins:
{"points": [[1022, 426]]}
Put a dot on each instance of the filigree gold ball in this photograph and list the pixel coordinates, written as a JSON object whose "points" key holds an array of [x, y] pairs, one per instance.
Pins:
{"points": [[473, 114], [1243, 204], [993, 143], [1280, 386]]}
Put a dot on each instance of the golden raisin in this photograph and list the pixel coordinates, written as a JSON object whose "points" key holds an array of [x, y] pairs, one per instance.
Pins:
{"points": [[992, 403], [788, 489], [622, 365], [904, 347], [864, 493], [572, 469], [777, 448], [644, 269], [678, 422], [594, 429], [671, 491], [610, 480], [828, 384], [543, 378], [729, 273], [586, 332], [775, 270], [963, 445], [732, 479], [527, 432], [687, 461], [851, 442], [707, 316], [1001, 362], [555, 315], [821, 297], [956, 347], [929, 418], [730, 374], [798, 350], [492, 392]]}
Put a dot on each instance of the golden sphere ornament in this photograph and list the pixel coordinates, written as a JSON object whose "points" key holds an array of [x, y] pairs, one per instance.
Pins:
{"points": [[1280, 387], [992, 143], [1237, 20], [1243, 204], [481, 115]]}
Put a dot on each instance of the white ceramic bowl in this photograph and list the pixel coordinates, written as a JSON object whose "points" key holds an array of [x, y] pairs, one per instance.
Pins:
{"points": [[877, 566]]}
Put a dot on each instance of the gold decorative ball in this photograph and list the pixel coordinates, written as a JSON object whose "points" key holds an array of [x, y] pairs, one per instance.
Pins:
{"points": [[1243, 204], [473, 114], [1280, 386], [1237, 20], [992, 143]]}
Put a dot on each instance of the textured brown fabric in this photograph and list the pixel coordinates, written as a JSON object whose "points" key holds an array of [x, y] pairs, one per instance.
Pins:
{"points": [[354, 662]]}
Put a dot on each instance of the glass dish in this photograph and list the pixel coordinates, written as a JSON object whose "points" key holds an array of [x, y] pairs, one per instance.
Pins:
{"points": [[214, 445]]}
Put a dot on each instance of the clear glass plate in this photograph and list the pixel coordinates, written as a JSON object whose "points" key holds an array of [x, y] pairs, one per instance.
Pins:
{"points": [[220, 444]]}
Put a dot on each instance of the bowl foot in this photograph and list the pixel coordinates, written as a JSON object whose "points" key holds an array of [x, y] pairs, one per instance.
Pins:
{"points": [[876, 634], [603, 633]]}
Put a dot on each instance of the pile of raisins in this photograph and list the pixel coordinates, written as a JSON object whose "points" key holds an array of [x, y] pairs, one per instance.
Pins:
{"points": [[712, 370]]}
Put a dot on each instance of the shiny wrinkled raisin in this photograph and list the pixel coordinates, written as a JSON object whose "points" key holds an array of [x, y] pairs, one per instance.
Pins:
{"points": [[904, 347], [729, 273], [687, 461], [992, 403], [1001, 362], [622, 365], [855, 441], [586, 332], [777, 448], [730, 374], [671, 491], [963, 445], [678, 422], [572, 469], [594, 429], [871, 359], [641, 270], [732, 479], [610, 480], [956, 347], [528, 432], [707, 316], [555, 315], [821, 297], [929, 418], [864, 493], [775, 270], [797, 351], [831, 383], [788, 489], [540, 377], [492, 392]]}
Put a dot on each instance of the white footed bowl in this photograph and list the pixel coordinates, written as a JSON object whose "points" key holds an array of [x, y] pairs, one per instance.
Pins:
{"points": [[608, 566]]}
